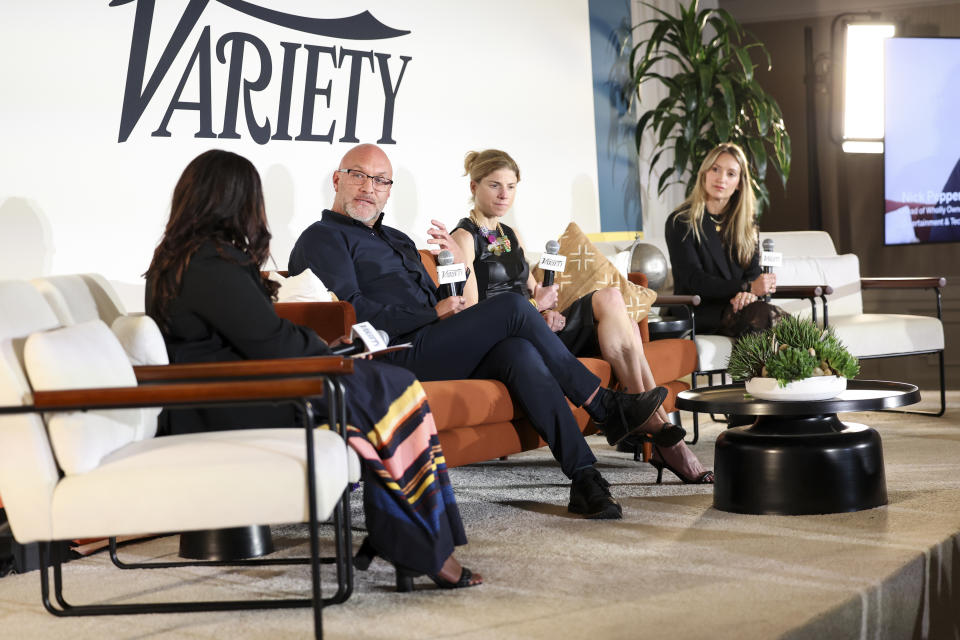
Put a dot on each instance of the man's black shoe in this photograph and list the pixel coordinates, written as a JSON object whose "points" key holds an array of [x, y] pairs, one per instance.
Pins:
{"points": [[590, 496], [626, 412]]}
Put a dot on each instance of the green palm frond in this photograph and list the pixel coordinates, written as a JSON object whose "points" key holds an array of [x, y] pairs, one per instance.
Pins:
{"points": [[714, 98]]}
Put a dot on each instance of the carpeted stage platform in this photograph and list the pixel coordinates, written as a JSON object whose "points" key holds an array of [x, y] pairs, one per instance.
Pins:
{"points": [[673, 568]]}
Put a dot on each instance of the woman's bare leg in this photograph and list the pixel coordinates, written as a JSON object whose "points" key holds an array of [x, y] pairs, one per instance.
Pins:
{"points": [[622, 346]]}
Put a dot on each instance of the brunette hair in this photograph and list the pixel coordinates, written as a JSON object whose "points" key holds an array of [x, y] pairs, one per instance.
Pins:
{"points": [[218, 198], [739, 228], [479, 164]]}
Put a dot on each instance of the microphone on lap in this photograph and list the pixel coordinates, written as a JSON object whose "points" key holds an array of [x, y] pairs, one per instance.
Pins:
{"points": [[357, 346], [552, 249]]}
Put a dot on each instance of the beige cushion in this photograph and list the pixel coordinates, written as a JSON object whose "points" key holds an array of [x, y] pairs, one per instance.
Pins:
{"points": [[840, 272], [84, 356], [875, 334], [303, 287], [201, 481], [28, 473], [801, 243], [80, 297], [713, 351], [588, 270], [140, 337]]}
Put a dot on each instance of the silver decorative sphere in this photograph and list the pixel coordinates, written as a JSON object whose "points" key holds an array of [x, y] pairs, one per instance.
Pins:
{"points": [[649, 260]]}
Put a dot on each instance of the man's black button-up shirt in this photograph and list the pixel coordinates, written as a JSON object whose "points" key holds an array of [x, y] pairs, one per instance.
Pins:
{"points": [[377, 270]]}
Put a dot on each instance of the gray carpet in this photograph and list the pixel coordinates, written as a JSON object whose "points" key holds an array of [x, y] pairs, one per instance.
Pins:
{"points": [[673, 568]]}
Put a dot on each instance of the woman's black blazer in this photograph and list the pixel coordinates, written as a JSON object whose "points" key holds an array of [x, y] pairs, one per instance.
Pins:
{"points": [[706, 268]]}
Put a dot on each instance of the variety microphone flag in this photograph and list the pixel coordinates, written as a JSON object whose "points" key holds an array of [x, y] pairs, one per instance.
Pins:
{"points": [[449, 274], [550, 262], [769, 259], [366, 339]]}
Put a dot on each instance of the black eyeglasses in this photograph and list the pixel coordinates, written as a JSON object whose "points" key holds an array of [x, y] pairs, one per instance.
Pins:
{"points": [[359, 177]]}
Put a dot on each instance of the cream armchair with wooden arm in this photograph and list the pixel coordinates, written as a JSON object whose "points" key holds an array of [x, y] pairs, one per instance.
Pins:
{"points": [[866, 335], [72, 467]]}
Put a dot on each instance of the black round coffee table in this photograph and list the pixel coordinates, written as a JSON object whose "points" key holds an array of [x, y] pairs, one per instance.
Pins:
{"points": [[798, 457]]}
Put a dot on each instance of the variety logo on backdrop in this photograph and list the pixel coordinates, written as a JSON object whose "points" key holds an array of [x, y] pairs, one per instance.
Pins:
{"points": [[274, 123]]}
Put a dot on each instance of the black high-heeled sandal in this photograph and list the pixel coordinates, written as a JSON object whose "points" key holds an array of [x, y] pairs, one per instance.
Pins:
{"points": [[706, 477], [669, 435], [405, 580], [404, 577]]}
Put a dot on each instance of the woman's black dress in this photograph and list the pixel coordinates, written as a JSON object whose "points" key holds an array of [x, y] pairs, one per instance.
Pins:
{"points": [[508, 271], [223, 312]]}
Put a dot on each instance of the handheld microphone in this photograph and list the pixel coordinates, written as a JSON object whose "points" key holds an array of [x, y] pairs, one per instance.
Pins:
{"points": [[767, 248], [450, 275], [357, 346], [767, 261], [552, 248], [445, 259]]}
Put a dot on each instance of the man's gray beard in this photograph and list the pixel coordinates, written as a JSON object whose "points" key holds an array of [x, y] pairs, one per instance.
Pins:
{"points": [[356, 216]]}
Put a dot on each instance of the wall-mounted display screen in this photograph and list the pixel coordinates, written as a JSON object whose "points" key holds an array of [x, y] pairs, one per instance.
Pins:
{"points": [[922, 140]]}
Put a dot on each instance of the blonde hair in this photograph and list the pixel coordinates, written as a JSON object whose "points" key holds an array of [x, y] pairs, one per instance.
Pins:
{"points": [[479, 164], [739, 228]]}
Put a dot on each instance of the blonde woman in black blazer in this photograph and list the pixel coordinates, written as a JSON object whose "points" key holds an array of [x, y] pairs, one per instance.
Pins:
{"points": [[714, 252]]}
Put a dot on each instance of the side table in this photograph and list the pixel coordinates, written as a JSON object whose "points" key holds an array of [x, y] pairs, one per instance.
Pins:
{"points": [[798, 457]]}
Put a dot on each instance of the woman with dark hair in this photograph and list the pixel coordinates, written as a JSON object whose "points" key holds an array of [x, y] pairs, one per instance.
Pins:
{"points": [[712, 240], [205, 291], [596, 325]]}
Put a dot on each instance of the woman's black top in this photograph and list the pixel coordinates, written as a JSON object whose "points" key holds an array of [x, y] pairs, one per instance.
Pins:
{"points": [[223, 312], [497, 273], [707, 268], [509, 272]]}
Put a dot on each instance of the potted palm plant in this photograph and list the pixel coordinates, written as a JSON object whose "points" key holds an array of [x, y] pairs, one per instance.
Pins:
{"points": [[794, 360], [713, 98]]}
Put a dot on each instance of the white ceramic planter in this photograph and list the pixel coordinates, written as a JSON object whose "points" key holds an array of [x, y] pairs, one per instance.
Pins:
{"points": [[816, 388]]}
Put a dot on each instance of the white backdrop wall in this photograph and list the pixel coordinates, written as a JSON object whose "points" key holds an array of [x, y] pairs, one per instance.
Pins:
{"points": [[498, 73]]}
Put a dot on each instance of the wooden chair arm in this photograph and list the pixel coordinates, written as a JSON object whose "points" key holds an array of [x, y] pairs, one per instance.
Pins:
{"points": [[318, 365], [330, 320], [663, 300], [802, 291], [903, 283], [177, 394]]}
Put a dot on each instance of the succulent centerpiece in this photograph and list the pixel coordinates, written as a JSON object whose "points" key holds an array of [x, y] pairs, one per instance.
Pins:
{"points": [[795, 360]]}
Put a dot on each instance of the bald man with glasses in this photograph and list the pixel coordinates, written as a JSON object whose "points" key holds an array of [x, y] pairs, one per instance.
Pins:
{"points": [[378, 270]]}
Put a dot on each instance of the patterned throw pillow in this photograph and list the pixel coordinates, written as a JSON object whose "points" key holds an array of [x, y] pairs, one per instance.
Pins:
{"points": [[588, 270]]}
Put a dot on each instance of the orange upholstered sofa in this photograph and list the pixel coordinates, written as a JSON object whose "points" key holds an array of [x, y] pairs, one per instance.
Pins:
{"points": [[477, 419]]}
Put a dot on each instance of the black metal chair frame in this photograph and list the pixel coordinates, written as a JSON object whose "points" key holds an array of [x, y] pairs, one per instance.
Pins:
{"points": [[341, 522], [937, 289]]}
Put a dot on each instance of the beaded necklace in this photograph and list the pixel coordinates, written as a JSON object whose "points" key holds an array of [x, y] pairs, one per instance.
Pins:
{"points": [[497, 240]]}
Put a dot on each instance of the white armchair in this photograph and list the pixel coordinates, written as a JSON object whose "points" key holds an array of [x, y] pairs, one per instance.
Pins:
{"points": [[866, 335], [72, 466]]}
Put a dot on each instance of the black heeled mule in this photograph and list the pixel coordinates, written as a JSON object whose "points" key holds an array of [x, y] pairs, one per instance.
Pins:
{"points": [[404, 577], [405, 580], [704, 478], [669, 435]]}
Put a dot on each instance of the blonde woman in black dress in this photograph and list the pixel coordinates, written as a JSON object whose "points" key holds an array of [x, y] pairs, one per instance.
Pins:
{"points": [[596, 325]]}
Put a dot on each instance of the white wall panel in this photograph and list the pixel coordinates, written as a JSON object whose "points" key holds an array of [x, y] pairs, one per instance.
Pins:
{"points": [[500, 73]]}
